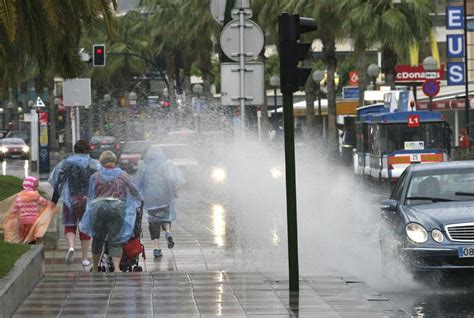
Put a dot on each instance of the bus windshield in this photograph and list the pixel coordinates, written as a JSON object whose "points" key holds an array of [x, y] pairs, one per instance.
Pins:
{"points": [[393, 136]]}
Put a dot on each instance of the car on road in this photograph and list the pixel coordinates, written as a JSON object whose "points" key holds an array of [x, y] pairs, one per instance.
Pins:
{"points": [[100, 144], [132, 153], [14, 148], [25, 135], [429, 218]]}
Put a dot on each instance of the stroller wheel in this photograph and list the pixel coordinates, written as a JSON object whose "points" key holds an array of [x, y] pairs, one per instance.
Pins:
{"points": [[138, 269]]}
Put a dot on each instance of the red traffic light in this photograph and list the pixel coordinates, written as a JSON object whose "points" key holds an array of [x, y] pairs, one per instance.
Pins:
{"points": [[98, 58]]}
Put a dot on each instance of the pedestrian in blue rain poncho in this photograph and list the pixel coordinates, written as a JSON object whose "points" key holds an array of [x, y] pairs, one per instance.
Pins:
{"points": [[158, 180], [111, 211], [70, 180]]}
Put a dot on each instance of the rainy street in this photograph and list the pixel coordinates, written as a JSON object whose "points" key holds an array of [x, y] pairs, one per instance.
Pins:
{"points": [[237, 158], [224, 225]]}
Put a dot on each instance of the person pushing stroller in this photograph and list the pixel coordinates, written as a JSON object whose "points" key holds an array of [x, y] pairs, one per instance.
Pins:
{"points": [[112, 202], [158, 180]]}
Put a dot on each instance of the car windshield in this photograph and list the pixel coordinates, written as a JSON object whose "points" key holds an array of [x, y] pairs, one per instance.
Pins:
{"points": [[441, 186], [136, 147], [13, 141], [102, 139], [177, 151]]}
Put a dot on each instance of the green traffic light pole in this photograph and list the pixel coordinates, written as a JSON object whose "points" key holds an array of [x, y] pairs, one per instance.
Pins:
{"points": [[291, 215], [146, 60]]}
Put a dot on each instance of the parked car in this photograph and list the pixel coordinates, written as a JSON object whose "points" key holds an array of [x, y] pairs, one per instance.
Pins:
{"points": [[131, 154], [25, 135], [429, 217], [101, 143], [14, 148]]}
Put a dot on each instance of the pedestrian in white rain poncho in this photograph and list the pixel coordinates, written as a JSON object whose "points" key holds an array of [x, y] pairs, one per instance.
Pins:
{"points": [[111, 211], [158, 180]]}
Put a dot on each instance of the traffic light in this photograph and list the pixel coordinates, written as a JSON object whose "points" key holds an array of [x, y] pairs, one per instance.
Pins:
{"points": [[290, 27], [98, 55]]}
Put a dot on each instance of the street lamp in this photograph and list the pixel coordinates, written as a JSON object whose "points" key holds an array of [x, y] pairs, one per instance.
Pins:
{"points": [[275, 83], [197, 89], [373, 71], [430, 65]]}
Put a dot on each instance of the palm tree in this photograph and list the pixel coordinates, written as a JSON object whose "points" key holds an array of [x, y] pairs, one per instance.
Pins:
{"points": [[48, 32], [329, 19], [392, 27]]}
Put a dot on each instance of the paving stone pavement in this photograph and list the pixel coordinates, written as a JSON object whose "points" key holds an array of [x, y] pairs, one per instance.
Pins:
{"points": [[200, 277]]}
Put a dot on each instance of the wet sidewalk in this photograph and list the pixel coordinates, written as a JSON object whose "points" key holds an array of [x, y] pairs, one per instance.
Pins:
{"points": [[200, 277]]}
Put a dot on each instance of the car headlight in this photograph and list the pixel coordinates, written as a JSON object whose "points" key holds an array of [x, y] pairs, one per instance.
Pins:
{"points": [[276, 173], [416, 232], [218, 174], [26, 148], [437, 235], [4, 149]]}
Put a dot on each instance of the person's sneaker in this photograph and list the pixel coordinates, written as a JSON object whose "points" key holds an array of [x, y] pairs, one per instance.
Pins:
{"points": [[69, 256], [157, 253], [85, 262], [170, 241]]}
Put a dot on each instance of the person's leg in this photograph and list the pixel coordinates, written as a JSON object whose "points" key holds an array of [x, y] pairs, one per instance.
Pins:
{"points": [[97, 246], [115, 251], [85, 245], [167, 228], [154, 228], [70, 234]]}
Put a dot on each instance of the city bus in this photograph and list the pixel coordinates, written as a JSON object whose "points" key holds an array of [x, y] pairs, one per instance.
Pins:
{"points": [[388, 142]]}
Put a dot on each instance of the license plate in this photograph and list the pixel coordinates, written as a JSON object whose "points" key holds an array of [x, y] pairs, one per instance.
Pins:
{"points": [[15, 156], [124, 161], [105, 146], [415, 157], [464, 252]]}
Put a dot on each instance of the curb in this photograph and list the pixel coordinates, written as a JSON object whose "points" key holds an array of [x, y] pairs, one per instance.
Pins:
{"points": [[21, 280]]}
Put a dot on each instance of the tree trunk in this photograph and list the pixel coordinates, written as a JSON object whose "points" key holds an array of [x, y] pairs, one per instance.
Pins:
{"points": [[330, 60], [389, 61], [170, 68], [53, 137], [310, 97], [362, 70]]}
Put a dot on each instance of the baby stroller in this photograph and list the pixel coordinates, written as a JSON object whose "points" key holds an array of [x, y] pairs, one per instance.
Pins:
{"points": [[131, 251]]}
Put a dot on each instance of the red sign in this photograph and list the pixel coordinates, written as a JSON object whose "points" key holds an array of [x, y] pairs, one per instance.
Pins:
{"points": [[431, 88], [353, 79], [43, 118], [413, 121], [408, 73]]}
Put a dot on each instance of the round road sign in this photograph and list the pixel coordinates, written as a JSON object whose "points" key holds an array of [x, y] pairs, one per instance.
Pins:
{"points": [[431, 88], [253, 40]]}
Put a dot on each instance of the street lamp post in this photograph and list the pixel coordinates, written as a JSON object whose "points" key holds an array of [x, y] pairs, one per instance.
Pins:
{"points": [[275, 83], [373, 71], [318, 76], [132, 97], [197, 89], [2, 112], [430, 65]]}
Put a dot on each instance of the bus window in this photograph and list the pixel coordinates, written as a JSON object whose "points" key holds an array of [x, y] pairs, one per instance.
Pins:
{"points": [[430, 133]]}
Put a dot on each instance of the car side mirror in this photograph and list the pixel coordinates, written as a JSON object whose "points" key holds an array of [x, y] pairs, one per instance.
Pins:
{"points": [[389, 205]]}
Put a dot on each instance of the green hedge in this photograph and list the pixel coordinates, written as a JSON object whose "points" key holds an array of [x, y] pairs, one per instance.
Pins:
{"points": [[9, 185], [10, 253]]}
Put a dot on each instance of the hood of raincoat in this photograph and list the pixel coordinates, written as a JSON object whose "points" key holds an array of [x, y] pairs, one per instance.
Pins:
{"points": [[154, 154], [28, 196], [109, 174], [82, 160]]}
